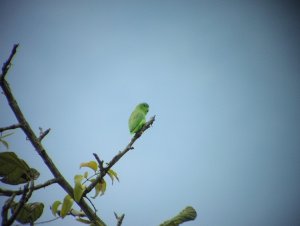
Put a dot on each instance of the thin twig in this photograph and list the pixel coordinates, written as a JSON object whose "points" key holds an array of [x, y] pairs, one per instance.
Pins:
{"points": [[14, 126], [119, 156], [48, 221], [119, 218], [7, 64], [91, 204], [4, 192], [43, 134], [100, 162]]}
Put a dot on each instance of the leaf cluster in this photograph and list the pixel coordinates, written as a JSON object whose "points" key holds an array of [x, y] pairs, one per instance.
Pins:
{"points": [[100, 187], [64, 208], [29, 213]]}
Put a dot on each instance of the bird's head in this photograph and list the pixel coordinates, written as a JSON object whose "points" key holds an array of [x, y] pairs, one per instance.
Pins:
{"points": [[144, 107]]}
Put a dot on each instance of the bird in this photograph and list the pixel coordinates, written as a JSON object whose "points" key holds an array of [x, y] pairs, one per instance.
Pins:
{"points": [[137, 118]]}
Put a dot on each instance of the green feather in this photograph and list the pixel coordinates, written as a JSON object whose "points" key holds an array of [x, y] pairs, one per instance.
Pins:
{"points": [[137, 118]]}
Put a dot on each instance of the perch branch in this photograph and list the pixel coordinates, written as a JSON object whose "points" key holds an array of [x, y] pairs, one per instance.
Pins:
{"points": [[119, 156], [36, 143], [4, 192]]}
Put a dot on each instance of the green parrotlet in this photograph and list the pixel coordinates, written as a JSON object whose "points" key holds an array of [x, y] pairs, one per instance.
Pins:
{"points": [[137, 118]]}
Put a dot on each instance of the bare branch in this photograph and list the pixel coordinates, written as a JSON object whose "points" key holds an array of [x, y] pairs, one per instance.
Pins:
{"points": [[7, 64], [119, 156], [100, 162], [4, 192], [14, 126]]}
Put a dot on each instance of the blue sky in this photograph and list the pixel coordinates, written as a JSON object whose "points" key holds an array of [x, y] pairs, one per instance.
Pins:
{"points": [[222, 79]]}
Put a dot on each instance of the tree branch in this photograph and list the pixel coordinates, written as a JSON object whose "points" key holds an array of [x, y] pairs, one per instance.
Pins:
{"points": [[5, 209], [14, 126], [7, 64], [100, 162], [130, 145], [118, 156], [119, 218], [36, 143], [4, 192], [27, 192]]}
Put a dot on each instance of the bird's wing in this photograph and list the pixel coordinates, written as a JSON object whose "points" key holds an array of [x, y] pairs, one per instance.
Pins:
{"points": [[135, 119]]}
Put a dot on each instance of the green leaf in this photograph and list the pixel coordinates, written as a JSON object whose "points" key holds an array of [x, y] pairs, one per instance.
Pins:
{"points": [[14, 170], [103, 187], [100, 187], [66, 206], [5, 143], [29, 213], [112, 174], [97, 188], [91, 164], [78, 179], [86, 174], [55, 206], [79, 188]]}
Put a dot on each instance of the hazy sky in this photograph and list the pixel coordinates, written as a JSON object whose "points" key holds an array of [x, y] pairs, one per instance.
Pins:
{"points": [[222, 79]]}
